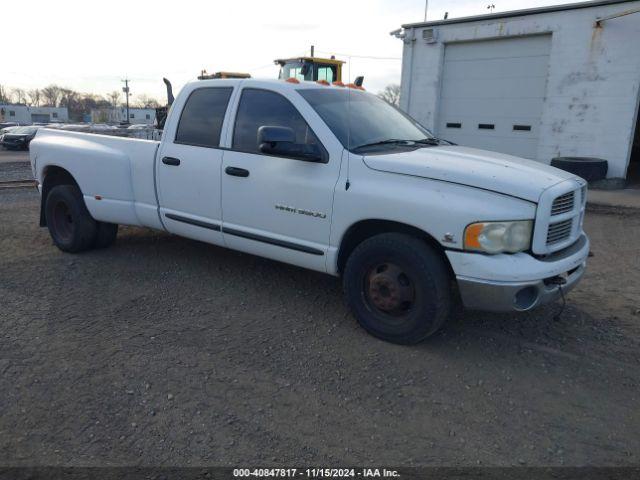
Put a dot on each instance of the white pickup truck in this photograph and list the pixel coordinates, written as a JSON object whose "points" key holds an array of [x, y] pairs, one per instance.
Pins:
{"points": [[332, 179]]}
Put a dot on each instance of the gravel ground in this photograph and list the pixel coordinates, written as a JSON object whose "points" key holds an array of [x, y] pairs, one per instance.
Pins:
{"points": [[12, 171], [166, 351], [11, 156]]}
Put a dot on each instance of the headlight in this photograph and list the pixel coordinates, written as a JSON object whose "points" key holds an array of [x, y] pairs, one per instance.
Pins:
{"points": [[498, 237]]}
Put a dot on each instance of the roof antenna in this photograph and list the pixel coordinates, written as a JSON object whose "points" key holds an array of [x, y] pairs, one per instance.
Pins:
{"points": [[348, 183]]}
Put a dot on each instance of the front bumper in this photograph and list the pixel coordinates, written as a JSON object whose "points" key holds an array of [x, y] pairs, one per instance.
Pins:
{"points": [[520, 282]]}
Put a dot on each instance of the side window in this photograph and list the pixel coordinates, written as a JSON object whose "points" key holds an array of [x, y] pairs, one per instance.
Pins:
{"points": [[325, 73], [261, 107], [202, 116]]}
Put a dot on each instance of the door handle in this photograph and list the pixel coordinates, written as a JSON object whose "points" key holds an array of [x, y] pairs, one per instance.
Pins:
{"points": [[171, 161], [236, 172]]}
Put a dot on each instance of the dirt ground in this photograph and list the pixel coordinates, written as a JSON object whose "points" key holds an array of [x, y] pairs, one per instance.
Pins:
{"points": [[166, 351]]}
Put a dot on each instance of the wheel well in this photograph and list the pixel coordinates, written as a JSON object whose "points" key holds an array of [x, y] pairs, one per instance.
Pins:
{"points": [[53, 176], [364, 229]]}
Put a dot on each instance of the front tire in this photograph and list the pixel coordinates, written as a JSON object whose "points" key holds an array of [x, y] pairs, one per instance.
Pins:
{"points": [[398, 287], [70, 223]]}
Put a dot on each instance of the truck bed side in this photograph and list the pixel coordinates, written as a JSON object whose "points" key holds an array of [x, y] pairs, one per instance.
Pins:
{"points": [[115, 174]]}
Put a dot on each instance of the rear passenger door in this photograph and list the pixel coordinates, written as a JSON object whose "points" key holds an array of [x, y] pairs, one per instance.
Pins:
{"points": [[188, 169]]}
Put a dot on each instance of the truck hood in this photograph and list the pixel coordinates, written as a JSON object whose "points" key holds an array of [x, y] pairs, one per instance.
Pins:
{"points": [[497, 172]]}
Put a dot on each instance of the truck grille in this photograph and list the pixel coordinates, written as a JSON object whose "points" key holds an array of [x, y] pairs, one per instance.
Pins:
{"points": [[559, 217], [559, 232], [562, 204]]}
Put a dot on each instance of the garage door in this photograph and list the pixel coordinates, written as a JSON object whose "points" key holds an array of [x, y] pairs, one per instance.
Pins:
{"points": [[493, 92], [40, 118]]}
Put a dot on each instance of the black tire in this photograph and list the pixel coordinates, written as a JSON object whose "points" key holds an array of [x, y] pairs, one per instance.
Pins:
{"points": [[106, 235], [70, 223], [398, 287], [591, 169]]}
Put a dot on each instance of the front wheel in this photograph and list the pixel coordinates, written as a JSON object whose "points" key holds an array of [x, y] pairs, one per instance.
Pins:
{"points": [[398, 287], [70, 223]]}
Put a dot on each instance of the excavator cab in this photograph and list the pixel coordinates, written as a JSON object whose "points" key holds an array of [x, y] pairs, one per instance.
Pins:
{"points": [[310, 68]]}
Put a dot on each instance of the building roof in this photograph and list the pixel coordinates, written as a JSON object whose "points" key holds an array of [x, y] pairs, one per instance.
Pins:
{"points": [[518, 13]]}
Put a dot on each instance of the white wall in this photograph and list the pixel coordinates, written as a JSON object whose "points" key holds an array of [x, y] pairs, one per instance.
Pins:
{"points": [[22, 113], [119, 114], [593, 85]]}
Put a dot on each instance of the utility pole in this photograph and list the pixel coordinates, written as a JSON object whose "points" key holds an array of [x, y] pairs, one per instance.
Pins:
{"points": [[125, 89], [426, 4]]}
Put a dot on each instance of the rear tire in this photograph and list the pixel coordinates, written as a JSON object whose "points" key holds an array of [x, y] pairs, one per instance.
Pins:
{"points": [[70, 223], [398, 287], [106, 234]]}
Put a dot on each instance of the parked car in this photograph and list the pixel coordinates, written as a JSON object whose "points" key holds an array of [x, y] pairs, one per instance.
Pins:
{"points": [[332, 179], [19, 138], [5, 130]]}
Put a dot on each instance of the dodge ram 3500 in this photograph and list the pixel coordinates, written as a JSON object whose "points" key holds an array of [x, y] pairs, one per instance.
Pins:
{"points": [[332, 179]]}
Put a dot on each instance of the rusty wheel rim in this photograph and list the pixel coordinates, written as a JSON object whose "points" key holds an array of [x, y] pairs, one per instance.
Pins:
{"points": [[389, 289], [63, 221]]}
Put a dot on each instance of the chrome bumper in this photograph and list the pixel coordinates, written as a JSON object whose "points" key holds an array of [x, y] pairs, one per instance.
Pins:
{"points": [[508, 295], [519, 297]]}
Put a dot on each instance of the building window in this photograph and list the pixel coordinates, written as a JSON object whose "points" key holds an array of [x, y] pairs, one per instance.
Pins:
{"points": [[54, 114], [12, 113], [148, 116], [132, 116]]}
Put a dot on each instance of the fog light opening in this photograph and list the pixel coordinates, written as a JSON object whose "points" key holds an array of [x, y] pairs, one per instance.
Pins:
{"points": [[525, 298]]}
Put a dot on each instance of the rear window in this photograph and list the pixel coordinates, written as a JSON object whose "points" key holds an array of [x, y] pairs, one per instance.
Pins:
{"points": [[202, 116]]}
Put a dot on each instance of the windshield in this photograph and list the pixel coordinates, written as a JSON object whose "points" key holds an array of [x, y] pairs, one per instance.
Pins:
{"points": [[361, 119]]}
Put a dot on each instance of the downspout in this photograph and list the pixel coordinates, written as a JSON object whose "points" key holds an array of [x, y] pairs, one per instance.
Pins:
{"points": [[408, 38], [410, 41]]}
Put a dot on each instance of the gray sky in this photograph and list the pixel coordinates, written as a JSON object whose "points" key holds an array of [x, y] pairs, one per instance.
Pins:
{"points": [[78, 44]]}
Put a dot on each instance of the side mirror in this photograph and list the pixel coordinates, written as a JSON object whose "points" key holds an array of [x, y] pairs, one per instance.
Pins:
{"points": [[280, 141], [358, 81], [270, 137]]}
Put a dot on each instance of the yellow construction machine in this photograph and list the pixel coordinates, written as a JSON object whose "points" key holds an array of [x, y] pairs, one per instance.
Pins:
{"points": [[310, 68]]}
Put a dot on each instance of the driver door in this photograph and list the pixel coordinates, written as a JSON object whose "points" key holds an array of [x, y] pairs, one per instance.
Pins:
{"points": [[275, 206]]}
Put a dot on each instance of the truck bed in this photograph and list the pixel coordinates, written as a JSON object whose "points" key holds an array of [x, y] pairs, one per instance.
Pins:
{"points": [[115, 174]]}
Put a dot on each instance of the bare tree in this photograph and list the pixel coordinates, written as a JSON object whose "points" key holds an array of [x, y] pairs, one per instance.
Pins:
{"points": [[391, 94], [19, 95], [4, 96], [114, 98], [145, 101], [68, 98], [51, 95], [34, 95]]}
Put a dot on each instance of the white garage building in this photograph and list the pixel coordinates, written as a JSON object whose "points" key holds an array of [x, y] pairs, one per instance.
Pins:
{"points": [[25, 115], [537, 83]]}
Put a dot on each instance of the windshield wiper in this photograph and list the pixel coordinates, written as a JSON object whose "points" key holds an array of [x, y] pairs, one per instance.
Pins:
{"points": [[397, 141], [390, 141], [429, 141], [434, 141]]}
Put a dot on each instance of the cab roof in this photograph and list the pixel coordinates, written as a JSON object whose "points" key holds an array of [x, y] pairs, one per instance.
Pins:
{"points": [[266, 82], [330, 61]]}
